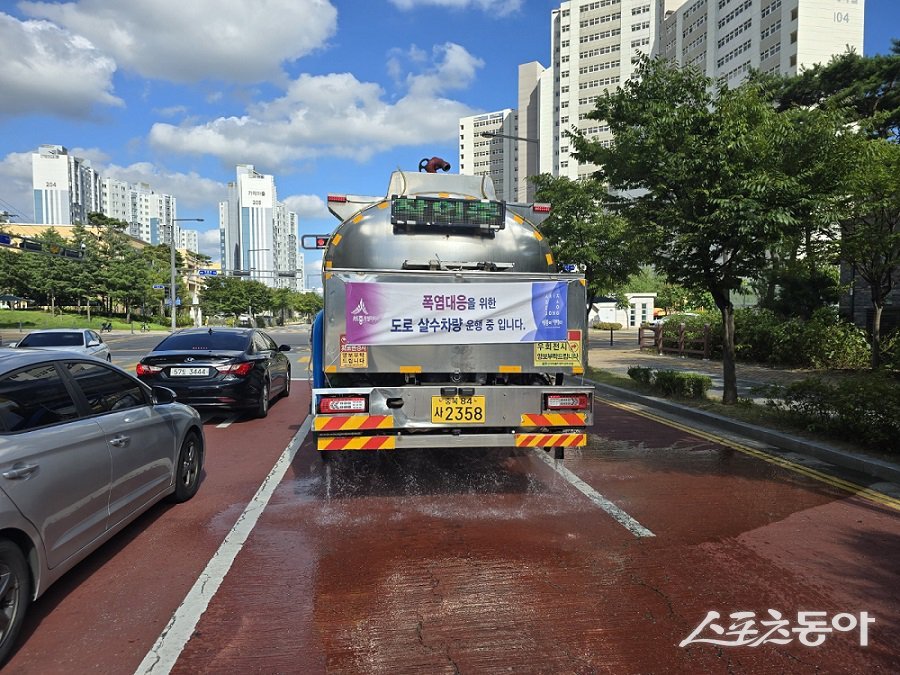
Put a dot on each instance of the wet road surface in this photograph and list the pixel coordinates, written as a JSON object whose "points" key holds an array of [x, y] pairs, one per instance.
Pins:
{"points": [[484, 561]]}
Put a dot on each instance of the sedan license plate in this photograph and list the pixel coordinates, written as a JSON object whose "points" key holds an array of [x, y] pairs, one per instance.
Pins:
{"points": [[188, 372], [458, 410]]}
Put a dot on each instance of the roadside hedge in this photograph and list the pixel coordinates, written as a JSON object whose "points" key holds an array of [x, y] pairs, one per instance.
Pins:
{"points": [[859, 408], [824, 341], [672, 382]]}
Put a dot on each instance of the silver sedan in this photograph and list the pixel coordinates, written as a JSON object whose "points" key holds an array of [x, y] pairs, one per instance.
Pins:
{"points": [[81, 340], [85, 448]]}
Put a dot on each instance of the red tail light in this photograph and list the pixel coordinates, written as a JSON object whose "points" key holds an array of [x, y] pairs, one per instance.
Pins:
{"points": [[238, 369], [141, 370], [343, 404], [567, 401]]}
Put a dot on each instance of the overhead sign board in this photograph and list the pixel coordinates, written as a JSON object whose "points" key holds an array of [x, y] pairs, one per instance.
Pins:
{"points": [[207, 273], [158, 287]]}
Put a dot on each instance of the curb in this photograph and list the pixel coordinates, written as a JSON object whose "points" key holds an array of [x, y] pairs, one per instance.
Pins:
{"points": [[868, 465]]}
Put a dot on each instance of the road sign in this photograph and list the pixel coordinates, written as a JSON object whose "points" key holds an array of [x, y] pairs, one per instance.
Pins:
{"points": [[208, 273], [158, 287], [168, 302]]}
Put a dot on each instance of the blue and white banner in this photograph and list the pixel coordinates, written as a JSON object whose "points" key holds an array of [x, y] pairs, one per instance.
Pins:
{"points": [[442, 314]]}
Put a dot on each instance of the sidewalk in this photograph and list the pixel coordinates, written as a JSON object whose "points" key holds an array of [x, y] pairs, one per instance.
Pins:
{"points": [[624, 353]]}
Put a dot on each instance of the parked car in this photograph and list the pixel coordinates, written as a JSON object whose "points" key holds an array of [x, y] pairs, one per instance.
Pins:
{"points": [[217, 367], [85, 448], [81, 340]]}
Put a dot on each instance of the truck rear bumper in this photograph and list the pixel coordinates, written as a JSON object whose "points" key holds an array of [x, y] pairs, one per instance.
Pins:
{"points": [[403, 417]]}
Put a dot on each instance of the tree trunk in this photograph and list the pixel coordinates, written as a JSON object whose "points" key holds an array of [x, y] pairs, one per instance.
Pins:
{"points": [[876, 334], [722, 298]]}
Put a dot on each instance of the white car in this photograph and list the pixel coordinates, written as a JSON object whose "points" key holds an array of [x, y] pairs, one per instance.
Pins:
{"points": [[79, 340]]}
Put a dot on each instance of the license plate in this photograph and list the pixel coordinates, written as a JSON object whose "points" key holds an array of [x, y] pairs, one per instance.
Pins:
{"points": [[188, 372], [458, 410]]}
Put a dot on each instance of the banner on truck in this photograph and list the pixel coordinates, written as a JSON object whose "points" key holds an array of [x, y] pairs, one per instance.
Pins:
{"points": [[441, 314]]}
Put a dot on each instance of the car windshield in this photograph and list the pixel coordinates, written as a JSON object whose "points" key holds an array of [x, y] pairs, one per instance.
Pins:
{"points": [[53, 340], [204, 341]]}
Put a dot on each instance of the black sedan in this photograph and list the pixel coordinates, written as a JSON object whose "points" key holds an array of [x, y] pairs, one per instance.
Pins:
{"points": [[234, 368]]}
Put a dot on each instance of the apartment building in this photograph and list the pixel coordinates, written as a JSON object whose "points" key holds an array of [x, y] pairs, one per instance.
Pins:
{"points": [[258, 236], [727, 38], [66, 188], [594, 47], [488, 147]]}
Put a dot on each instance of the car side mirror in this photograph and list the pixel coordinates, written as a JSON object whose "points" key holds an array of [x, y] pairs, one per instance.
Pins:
{"points": [[284, 348], [12, 344], [93, 343], [163, 395]]}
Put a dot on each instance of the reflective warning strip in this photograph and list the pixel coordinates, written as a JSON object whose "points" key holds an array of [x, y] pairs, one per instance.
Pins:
{"points": [[554, 420], [352, 422], [336, 239], [510, 369], [357, 443], [550, 440]]}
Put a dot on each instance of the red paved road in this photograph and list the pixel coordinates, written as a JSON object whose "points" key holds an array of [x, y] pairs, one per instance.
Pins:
{"points": [[429, 564], [487, 562]]}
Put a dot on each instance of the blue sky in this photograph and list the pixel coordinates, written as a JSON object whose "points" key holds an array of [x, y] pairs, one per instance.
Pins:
{"points": [[329, 96]]}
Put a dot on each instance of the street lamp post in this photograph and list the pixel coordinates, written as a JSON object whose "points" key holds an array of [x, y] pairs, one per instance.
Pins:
{"points": [[491, 134], [172, 262]]}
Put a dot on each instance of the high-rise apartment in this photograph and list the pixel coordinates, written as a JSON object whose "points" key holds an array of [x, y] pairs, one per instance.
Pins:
{"points": [[66, 188], [727, 38], [594, 47], [258, 236], [488, 147], [150, 215]]}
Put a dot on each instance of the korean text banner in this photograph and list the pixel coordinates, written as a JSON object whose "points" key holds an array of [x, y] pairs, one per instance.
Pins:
{"points": [[440, 314]]}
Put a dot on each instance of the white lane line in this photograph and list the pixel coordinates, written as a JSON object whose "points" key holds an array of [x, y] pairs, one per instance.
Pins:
{"points": [[231, 419], [617, 514], [170, 643]]}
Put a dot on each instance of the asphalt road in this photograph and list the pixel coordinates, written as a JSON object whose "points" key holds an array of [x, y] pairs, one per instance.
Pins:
{"points": [[481, 561]]}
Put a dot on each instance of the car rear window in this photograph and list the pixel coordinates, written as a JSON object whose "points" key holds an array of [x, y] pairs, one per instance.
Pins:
{"points": [[52, 340], [204, 341]]}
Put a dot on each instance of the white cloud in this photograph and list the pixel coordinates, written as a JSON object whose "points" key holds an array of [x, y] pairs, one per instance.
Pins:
{"points": [[497, 7], [231, 40], [16, 191], [49, 70], [307, 206], [335, 115], [209, 243]]}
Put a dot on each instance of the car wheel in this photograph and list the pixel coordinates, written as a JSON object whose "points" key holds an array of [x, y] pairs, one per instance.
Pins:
{"points": [[15, 595], [262, 408], [187, 470]]}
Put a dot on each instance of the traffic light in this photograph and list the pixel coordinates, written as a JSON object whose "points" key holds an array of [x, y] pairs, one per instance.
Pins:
{"points": [[315, 242]]}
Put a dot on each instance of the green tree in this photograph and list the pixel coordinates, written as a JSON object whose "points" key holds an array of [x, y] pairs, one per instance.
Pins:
{"points": [[698, 166], [866, 88], [581, 230], [309, 304], [870, 234]]}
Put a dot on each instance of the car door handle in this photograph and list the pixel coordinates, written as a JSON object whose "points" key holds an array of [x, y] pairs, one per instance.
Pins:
{"points": [[20, 471], [119, 441]]}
